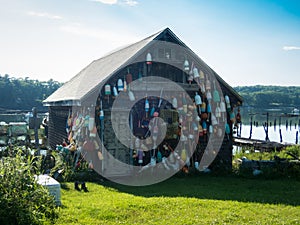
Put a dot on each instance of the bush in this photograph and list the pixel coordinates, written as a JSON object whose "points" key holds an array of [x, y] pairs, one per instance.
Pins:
{"points": [[22, 200], [283, 164], [294, 149]]}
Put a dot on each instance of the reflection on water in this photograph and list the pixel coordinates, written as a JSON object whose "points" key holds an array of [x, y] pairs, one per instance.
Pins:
{"points": [[288, 133], [277, 118]]}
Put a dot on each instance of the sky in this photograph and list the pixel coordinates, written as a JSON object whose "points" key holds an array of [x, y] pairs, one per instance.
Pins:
{"points": [[255, 42]]}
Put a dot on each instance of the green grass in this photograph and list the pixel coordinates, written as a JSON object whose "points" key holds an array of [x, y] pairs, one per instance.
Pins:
{"points": [[184, 200]]}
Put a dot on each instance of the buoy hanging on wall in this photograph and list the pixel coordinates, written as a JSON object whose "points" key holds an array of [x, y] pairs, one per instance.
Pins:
{"points": [[130, 94], [227, 100], [198, 101], [174, 103], [120, 85], [208, 95], [107, 89], [91, 123], [148, 58], [101, 116], [128, 77], [147, 106], [208, 84], [115, 91], [101, 113], [186, 65], [216, 95]]}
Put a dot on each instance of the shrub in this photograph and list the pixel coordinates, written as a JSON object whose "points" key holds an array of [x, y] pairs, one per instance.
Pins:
{"points": [[22, 200], [275, 165], [294, 149]]}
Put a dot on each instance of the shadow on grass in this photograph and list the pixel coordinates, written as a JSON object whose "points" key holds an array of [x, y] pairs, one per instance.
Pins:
{"points": [[230, 187]]}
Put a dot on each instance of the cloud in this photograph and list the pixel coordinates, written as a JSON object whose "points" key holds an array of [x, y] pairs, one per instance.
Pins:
{"points": [[130, 2], [44, 14], [113, 2], [290, 48], [109, 2]]}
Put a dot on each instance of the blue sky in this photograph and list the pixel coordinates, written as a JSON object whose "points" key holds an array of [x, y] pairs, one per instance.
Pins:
{"points": [[245, 42]]}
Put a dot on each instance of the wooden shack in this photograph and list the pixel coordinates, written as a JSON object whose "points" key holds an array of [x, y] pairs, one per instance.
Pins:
{"points": [[126, 90]]}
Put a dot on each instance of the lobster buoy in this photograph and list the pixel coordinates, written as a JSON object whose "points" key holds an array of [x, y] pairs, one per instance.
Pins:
{"points": [[196, 73], [227, 128], [210, 129], [120, 85], [93, 132], [218, 112], [147, 105], [107, 89], [214, 120], [208, 108], [91, 123], [216, 95], [208, 96], [222, 107], [128, 77], [152, 111], [130, 94], [208, 85], [86, 120], [115, 91], [148, 59], [186, 65], [227, 100], [174, 103], [101, 116], [201, 75], [198, 100], [200, 130], [203, 107], [204, 126], [190, 78], [159, 156], [140, 154]]}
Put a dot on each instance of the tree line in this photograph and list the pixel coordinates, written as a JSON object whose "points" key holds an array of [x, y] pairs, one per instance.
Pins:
{"points": [[24, 93], [262, 97]]}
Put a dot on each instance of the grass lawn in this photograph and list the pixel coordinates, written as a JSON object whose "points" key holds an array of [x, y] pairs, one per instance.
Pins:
{"points": [[184, 200]]}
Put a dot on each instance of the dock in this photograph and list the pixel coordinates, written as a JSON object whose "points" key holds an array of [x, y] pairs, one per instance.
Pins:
{"points": [[261, 145]]}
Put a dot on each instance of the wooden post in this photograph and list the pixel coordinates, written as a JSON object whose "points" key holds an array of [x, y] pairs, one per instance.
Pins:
{"points": [[36, 136], [266, 128], [280, 135], [250, 127]]}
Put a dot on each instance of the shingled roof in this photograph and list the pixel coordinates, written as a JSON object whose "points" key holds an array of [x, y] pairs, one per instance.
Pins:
{"points": [[92, 77]]}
